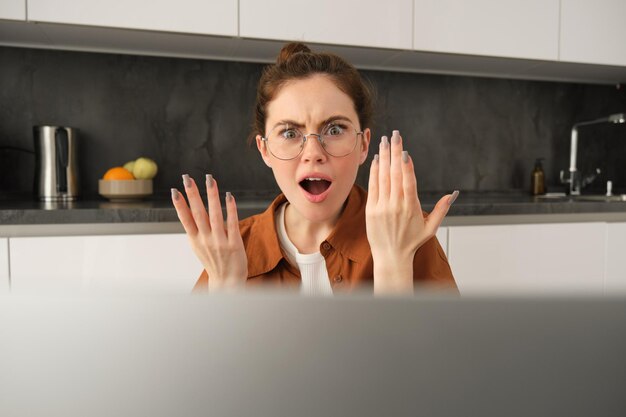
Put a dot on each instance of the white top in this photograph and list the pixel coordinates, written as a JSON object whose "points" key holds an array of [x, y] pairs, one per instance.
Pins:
{"points": [[312, 266]]}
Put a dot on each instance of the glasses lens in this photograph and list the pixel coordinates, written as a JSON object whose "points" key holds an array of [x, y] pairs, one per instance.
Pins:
{"points": [[339, 138], [285, 142]]}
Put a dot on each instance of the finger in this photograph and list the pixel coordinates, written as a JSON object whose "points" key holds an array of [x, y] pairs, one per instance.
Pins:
{"points": [[196, 205], [433, 221], [232, 219], [383, 169], [184, 214], [215, 207], [372, 189], [395, 170], [409, 182]]}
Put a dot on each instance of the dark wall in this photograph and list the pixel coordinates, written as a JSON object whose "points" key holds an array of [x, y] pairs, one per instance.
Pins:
{"points": [[193, 116]]}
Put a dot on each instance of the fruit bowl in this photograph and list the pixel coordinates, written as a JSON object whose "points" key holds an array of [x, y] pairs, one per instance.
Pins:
{"points": [[124, 190]]}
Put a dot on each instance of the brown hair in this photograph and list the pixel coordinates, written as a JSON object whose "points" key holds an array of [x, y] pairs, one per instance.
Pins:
{"points": [[296, 61]]}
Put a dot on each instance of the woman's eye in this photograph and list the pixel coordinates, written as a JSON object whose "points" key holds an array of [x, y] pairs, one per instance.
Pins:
{"points": [[334, 130], [290, 134]]}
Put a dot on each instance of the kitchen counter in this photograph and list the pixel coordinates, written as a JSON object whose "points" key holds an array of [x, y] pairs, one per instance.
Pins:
{"points": [[470, 208]]}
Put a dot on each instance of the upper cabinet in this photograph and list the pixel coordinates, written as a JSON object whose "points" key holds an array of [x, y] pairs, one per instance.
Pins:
{"points": [[504, 28], [370, 23], [13, 9], [593, 32], [215, 17]]}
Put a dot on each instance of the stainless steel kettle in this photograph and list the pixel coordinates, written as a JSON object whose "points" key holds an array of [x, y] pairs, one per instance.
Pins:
{"points": [[56, 163]]}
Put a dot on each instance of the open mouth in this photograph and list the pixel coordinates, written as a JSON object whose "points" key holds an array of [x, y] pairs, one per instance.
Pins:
{"points": [[315, 186]]}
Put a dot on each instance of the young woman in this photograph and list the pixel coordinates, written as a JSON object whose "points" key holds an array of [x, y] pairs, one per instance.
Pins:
{"points": [[323, 234]]}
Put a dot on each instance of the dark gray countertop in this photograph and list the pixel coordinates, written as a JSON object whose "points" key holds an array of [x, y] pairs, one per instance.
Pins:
{"points": [[23, 210]]}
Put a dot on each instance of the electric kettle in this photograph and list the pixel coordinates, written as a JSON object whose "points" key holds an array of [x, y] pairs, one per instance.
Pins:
{"points": [[56, 167]]}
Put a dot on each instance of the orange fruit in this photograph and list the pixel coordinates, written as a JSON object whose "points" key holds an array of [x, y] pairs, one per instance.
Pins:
{"points": [[118, 173]]}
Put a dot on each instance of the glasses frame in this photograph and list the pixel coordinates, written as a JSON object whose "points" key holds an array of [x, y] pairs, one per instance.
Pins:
{"points": [[319, 138]]}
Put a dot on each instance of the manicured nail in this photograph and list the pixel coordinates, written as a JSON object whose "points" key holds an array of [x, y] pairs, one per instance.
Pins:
{"points": [[209, 180], [384, 142], [405, 156], [395, 133], [453, 197], [175, 194], [186, 180], [229, 196], [376, 157]]}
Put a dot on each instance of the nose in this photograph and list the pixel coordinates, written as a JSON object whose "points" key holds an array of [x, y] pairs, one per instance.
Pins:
{"points": [[313, 149]]}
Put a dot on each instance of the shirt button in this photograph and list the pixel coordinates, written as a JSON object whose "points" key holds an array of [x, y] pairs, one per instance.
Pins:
{"points": [[326, 246], [338, 278]]}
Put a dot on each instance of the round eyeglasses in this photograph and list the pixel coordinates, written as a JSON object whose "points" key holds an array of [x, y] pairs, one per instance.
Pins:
{"points": [[338, 138]]}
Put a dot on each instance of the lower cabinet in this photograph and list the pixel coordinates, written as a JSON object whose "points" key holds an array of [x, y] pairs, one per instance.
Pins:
{"points": [[615, 274], [564, 258], [4, 265], [152, 263]]}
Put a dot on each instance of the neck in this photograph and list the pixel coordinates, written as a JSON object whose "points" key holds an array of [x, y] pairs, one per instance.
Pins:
{"points": [[307, 235]]}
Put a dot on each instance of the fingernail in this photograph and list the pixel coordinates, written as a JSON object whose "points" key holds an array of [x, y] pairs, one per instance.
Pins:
{"points": [[229, 196], [376, 157], [395, 138], [209, 180], [453, 197], [175, 194], [395, 133], [384, 142], [186, 180], [405, 156]]}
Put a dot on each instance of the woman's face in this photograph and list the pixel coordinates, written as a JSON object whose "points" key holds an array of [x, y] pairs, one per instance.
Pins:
{"points": [[309, 104]]}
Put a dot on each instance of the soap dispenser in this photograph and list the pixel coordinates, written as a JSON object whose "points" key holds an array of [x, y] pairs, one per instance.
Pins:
{"points": [[537, 180]]}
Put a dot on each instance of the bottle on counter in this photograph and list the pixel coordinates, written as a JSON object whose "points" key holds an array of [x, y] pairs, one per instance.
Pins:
{"points": [[538, 179]]}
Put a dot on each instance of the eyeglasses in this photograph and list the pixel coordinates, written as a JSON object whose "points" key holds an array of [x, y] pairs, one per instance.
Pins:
{"points": [[338, 138]]}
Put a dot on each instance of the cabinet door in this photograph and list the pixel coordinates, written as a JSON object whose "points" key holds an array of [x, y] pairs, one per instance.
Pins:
{"points": [[129, 263], [4, 265], [348, 22], [509, 28], [538, 258], [615, 277], [13, 9], [593, 31], [442, 237], [215, 17]]}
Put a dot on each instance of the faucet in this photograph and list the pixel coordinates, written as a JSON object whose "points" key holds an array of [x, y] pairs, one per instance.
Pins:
{"points": [[574, 180]]}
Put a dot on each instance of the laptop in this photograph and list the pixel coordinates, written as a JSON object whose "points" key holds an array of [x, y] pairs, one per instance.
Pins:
{"points": [[269, 354]]}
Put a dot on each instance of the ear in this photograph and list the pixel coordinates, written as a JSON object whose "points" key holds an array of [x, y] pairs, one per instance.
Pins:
{"points": [[365, 145], [262, 147]]}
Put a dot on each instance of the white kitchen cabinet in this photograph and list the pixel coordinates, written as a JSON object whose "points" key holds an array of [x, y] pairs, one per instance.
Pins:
{"points": [[13, 9], [442, 237], [593, 31], [565, 258], [510, 28], [161, 263], [4, 265], [348, 22], [215, 17], [615, 275]]}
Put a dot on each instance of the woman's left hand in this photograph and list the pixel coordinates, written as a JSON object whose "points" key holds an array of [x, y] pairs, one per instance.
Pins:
{"points": [[396, 227]]}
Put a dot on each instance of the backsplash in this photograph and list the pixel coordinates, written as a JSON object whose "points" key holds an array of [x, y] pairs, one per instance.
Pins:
{"points": [[194, 116]]}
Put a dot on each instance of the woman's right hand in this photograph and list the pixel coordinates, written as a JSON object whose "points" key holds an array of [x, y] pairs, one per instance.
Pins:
{"points": [[218, 246]]}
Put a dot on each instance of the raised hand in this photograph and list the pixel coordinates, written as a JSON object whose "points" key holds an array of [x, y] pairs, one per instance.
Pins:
{"points": [[396, 227], [218, 245]]}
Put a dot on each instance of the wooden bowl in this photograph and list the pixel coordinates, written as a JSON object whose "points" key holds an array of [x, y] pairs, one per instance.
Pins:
{"points": [[123, 190]]}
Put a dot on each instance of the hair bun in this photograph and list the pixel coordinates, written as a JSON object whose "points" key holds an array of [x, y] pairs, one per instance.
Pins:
{"points": [[290, 50]]}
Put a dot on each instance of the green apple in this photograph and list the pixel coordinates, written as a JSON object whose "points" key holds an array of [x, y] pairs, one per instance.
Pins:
{"points": [[144, 168], [129, 165]]}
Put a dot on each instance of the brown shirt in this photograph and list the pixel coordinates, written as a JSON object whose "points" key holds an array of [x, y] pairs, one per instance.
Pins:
{"points": [[346, 251]]}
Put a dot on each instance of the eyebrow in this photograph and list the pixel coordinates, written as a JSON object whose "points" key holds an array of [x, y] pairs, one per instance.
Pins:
{"points": [[324, 122]]}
